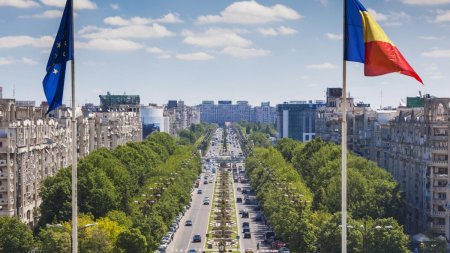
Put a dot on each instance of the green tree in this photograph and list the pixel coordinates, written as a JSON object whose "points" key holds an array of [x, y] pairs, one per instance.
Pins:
{"points": [[54, 239], [132, 241], [15, 236]]}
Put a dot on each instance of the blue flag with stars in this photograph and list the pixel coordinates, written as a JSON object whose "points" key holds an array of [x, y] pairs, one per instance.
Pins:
{"points": [[62, 52]]}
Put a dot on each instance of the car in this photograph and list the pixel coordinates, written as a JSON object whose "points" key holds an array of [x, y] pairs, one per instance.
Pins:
{"points": [[244, 191], [205, 182], [197, 238], [258, 217], [257, 208], [244, 214], [192, 251], [162, 248], [238, 189], [284, 250], [188, 223], [245, 224], [247, 235], [238, 200], [205, 202], [199, 191], [250, 250], [246, 230]]}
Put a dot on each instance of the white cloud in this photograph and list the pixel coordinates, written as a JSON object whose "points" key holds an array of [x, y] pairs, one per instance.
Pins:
{"points": [[433, 71], [282, 30], [429, 38], [334, 36], [155, 50], [133, 31], [110, 45], [78, 4], [216, 38], [437, 53], [250, 12], [245, 53], [19, 3], [426, 2], [20, 41], [46, 14], [323, 2], [325, 65], [442, 16], [392, 18], [115, 6], [29, 61], [169, 18], [199, 56], [164, 56], [268, 31], [5, 61]]}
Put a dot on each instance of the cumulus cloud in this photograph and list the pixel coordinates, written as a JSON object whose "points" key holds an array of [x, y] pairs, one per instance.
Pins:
{"points": [[19, 3], [251, 12], [115, 6], [282, 30], [21, 41], [334, 36], [29, 61], [5, 61], [426, 2], [442, 16], [132, 31], [325, 65], [46, 14], [155, 50], [119, 45], [119, 21], [437, 53], [245, 53], [216, 38], [78, 4], [199, 56], [391, 18]]}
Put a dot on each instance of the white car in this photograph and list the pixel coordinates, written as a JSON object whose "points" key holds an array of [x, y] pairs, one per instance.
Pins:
{"points": [[162, 248]]}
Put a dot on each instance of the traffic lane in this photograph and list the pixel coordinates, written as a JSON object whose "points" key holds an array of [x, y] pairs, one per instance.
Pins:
{"points": [[197, 213], [257, 228]]}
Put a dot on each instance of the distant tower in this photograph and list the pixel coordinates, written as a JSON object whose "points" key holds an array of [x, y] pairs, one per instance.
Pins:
{"points": [[1, 92]]}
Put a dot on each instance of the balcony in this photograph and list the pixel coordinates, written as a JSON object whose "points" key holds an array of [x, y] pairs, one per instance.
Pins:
{"points": [[439, 163], [439, 150], [440, 214], [440, 188]]}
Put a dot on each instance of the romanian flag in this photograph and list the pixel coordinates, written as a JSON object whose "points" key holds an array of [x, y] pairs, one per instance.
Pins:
{"points": [[367, 43]]}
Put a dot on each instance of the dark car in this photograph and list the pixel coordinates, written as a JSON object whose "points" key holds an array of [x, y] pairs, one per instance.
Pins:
{"points": [[188, 223], [247, 235], [244, 191], [244, 214], [246, 230], [258, 217], [245, 224], [257, 208], [197, 238], [192, 251], [238, 200]]}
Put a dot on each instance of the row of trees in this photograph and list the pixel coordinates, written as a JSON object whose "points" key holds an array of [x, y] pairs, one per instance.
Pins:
{"points": [[299, 188], [128, 198]]}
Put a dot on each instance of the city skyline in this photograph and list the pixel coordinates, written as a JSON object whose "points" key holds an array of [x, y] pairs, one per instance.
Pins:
{"points": [[208, 51]]}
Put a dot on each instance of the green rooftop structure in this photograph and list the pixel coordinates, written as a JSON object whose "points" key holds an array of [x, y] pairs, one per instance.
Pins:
{"points": [[414, 102], [109, 101]]}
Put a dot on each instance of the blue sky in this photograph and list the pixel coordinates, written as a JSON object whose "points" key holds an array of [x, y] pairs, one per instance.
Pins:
{"points": [[266, 50]]}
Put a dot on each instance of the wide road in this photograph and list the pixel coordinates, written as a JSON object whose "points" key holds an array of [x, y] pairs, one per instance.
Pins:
{"points": [[197, 213]]}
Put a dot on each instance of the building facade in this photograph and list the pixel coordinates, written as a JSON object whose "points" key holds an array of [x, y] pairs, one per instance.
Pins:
{"points": [[296, 120], [226, 111], [34, 146], [180, 116], [411, 142], [153, 119]]}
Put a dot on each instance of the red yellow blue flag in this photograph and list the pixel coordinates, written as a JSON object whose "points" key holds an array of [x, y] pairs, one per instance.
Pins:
{"points": [[366, 42]]}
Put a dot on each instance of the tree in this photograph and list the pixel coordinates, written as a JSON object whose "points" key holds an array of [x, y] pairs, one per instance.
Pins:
{"points": [[286, 147], [132, 241], [15, 236], [54, 239]]}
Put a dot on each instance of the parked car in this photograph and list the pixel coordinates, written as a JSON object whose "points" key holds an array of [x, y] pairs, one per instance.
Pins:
{"points": [[205, 182], [197, 238], [247, 235], [199, 191], [238, 200], [245, 224], [248, 250], [162, 248], [244, 214], [188, 223], [284, 250], [192, 251], [246, 230], [258, 217]]}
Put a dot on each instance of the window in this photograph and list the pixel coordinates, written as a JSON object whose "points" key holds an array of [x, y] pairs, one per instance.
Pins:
{"points": [[1, 195]]}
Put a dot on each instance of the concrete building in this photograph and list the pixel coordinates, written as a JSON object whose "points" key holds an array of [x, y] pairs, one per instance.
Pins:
{"points": [[180, 116], [34, 146], [411, 142], [296, 120], [226, 111]]}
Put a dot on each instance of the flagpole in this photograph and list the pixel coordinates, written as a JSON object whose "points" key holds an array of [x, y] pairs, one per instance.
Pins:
{"points": [[74, 152], [344, 144]]}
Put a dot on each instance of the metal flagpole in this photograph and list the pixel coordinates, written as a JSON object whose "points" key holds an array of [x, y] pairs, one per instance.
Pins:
{"points": [[74, 152], [344, 144]]}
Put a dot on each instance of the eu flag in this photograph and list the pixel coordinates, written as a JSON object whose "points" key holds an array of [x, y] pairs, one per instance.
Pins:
{"points": [[62, 52]]}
